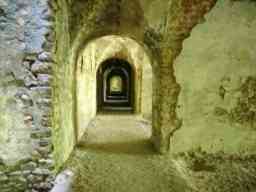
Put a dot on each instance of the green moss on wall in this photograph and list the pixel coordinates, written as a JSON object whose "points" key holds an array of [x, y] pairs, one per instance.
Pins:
{"points": [[63, 127]]}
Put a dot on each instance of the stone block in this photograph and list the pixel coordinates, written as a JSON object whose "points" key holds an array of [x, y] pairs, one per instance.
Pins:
{"points": [[45, 57], [41, 92], [41, 133], [42, 172], [41, 67], [44, 79]]}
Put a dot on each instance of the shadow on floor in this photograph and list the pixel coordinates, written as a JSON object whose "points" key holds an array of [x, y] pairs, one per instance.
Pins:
{"points": [[136, 147]]}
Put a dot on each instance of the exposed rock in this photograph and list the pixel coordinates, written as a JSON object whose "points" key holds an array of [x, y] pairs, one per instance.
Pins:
{"points": [[43, 172], [41, 133], [45, 57], [42, 92], [47, 163], [44, 79], [27, 100], [41, 67], [31, 166]]}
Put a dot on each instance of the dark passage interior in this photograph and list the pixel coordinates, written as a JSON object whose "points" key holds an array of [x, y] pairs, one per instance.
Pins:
{"points": [[115, 86]]}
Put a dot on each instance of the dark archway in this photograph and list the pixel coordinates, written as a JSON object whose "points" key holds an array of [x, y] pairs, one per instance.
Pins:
{"points": [[115, 86]]}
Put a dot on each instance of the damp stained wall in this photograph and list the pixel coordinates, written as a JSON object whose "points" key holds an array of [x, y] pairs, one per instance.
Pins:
{"points": [[216, 71], [64, 136]]}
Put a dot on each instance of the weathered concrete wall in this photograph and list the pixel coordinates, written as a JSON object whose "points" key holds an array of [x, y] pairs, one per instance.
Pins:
{"points": [[98, 51], [25, 128], [217, 71]]}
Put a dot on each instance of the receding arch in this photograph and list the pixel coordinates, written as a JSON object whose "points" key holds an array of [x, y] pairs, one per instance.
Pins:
{"points": [[115, 86], [158, 35], [88, 63]]}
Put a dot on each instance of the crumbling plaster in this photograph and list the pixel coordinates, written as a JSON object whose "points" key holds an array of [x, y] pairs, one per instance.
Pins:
{"points": [[216, 71]]}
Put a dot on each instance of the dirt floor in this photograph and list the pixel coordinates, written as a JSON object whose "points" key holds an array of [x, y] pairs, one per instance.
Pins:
{"points": [[221, 172], [116, 156]]}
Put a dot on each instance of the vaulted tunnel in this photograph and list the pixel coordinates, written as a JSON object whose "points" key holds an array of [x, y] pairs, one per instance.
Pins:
{"points": [[87, 36], [115, 86], [65, 63], [115, 74]]}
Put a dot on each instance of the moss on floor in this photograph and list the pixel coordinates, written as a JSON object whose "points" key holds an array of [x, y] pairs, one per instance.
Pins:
{"points": [[221, 172], [116, 156]]}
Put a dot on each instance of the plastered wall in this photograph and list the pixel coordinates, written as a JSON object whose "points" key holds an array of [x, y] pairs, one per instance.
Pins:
{"points": [[216, 71]]}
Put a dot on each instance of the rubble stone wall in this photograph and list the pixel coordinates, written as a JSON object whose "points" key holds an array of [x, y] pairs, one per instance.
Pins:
{"points": [[26, 36]]}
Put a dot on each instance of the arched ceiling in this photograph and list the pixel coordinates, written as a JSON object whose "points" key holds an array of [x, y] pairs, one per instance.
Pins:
{"points": [[162, 26], [112, 46]]}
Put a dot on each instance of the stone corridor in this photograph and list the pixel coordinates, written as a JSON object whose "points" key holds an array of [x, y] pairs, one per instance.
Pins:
{"points": [[188, 66], [116, 155]]}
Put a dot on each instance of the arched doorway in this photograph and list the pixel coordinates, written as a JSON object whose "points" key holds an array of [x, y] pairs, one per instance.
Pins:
{"points": [[115, 86]]}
